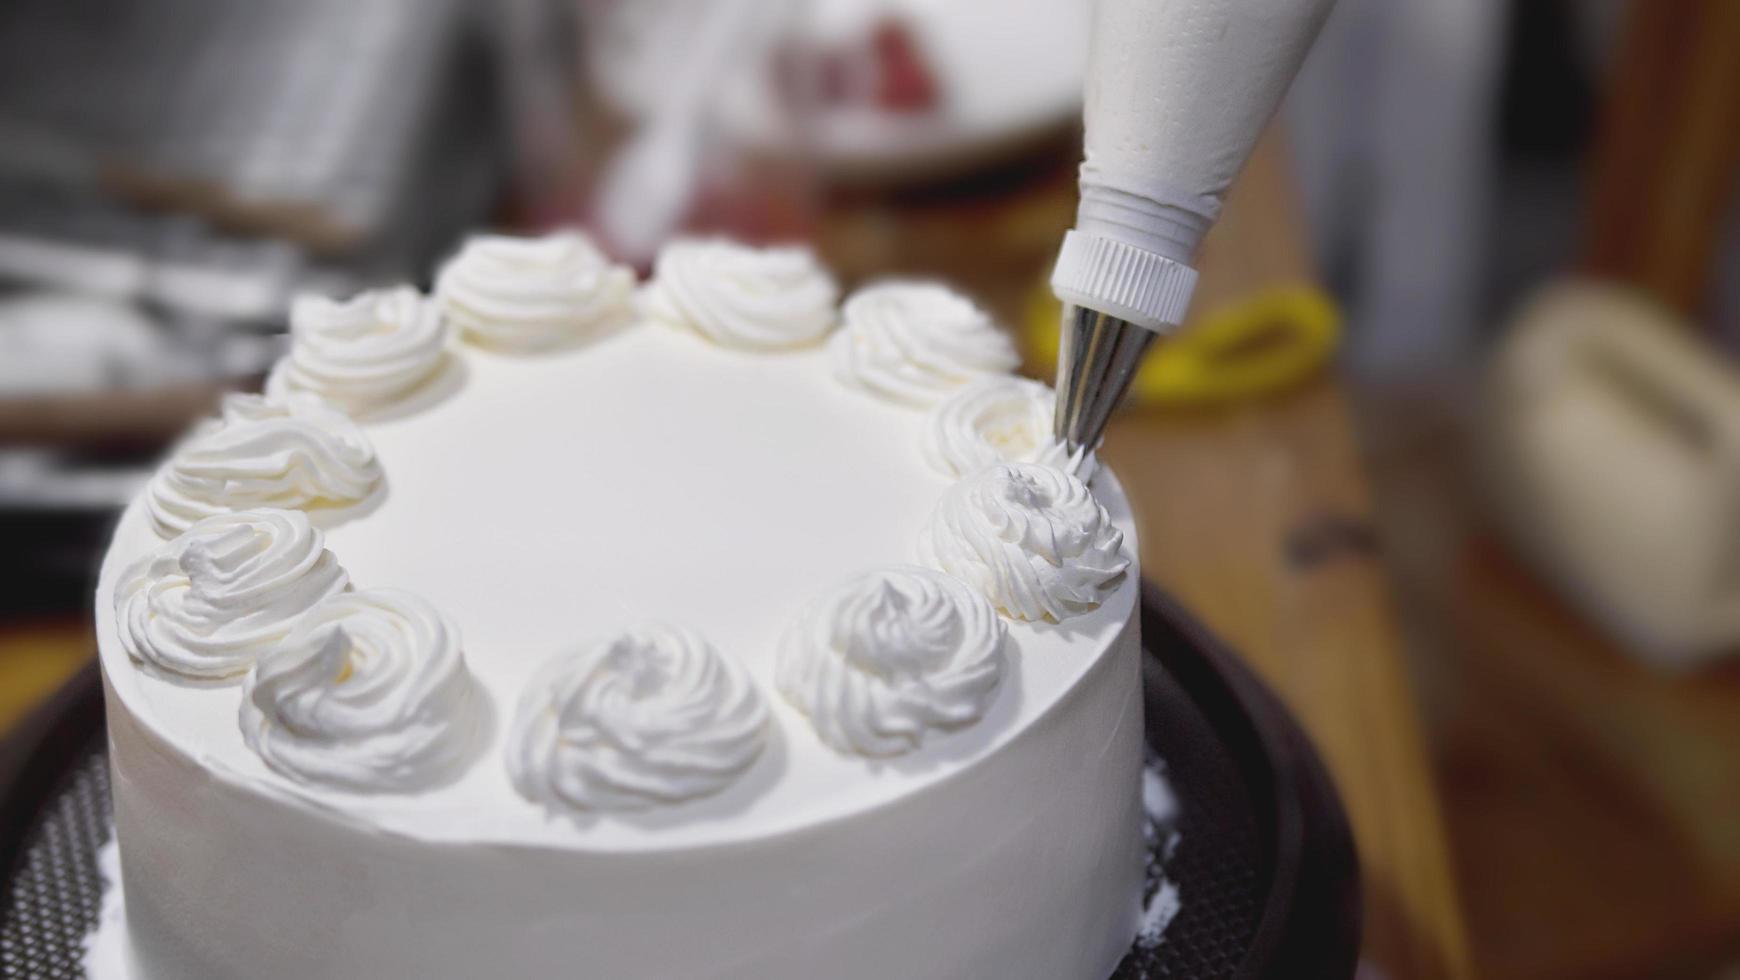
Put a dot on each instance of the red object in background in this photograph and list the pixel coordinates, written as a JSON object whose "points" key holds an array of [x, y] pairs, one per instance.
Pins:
{"points": [[885, 70], [903, 81]]}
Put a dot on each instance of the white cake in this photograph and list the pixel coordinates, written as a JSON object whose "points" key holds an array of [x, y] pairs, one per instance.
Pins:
{"points": [[662, 637]]}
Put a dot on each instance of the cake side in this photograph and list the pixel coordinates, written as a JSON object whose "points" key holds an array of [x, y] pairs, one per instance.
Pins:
{"points": [[1025, 865]]}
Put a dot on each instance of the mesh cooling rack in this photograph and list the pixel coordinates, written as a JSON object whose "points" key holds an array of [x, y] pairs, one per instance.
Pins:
{"points": [[1261, 855]]}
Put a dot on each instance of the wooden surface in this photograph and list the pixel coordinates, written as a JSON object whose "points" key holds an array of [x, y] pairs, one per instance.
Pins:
{"points": [[1225, 506], [1593, 798], [1603, 792], [1258, 518], [37, 656], [1668, 149]]}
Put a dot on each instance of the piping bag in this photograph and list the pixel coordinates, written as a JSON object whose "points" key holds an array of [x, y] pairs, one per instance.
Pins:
{"points": [[1177, 93]]}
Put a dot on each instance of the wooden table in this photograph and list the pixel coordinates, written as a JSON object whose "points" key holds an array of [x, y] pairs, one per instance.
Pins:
{"points": [[1258, 519], [1227, 503], [1594, 797], [37, 656], [1226, 506]]}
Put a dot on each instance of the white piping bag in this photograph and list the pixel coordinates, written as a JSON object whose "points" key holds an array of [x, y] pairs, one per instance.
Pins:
{"points": [[1177, 93]]}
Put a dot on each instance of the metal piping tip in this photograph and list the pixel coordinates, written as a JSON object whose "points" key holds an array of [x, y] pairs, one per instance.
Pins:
{"points": [[1096, 362]]}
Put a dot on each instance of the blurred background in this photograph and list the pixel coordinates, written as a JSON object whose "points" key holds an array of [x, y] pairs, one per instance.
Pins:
{"points": [[1444, 451]]}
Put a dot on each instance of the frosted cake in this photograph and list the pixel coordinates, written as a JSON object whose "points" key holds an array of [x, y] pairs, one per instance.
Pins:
{"points": [[555, 624]]}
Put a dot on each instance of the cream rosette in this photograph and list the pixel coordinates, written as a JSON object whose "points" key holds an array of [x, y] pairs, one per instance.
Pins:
{"points": [[917, 342], [362, 353], [297, 452], [647, 717], [890, 657], [1001, 419], [225, 592], [740, 296], [529, 294], [1031, 538], [369, 692]]}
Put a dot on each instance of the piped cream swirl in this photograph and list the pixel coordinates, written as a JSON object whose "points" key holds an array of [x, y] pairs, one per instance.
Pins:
{"points": [[740, 296], [996, 420], [225, 592], [529, 294], [890, 656], [917, 342], [297, 452], [364, 352], [1030, 538], [369, 692], [649, 716]]}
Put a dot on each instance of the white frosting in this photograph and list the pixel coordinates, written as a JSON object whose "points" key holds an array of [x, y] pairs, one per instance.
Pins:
{"points": [[649, 716], [296, 452], [533, 293], [1032, 538], [105, 946], [364, 352], [881, 661], [369, 692], [225, 592], [812, 863], [741, 296], [917, 342], [996, 420]]}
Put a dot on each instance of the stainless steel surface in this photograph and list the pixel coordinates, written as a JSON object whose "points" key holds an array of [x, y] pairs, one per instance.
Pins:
{"points": [[1095, 365]]}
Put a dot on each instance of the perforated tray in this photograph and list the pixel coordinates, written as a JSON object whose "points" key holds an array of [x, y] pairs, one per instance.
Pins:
{"points": [[1264, 863]]}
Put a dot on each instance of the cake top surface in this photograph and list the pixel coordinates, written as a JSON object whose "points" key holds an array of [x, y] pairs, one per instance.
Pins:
{"points": [[646, 476]]}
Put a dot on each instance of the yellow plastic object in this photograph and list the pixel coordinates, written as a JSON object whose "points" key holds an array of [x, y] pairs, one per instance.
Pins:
{"points": [[1274, 339]]}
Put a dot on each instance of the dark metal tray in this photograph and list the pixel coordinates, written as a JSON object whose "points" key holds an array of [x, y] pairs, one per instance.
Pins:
{"points": [[1264, 862]]}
